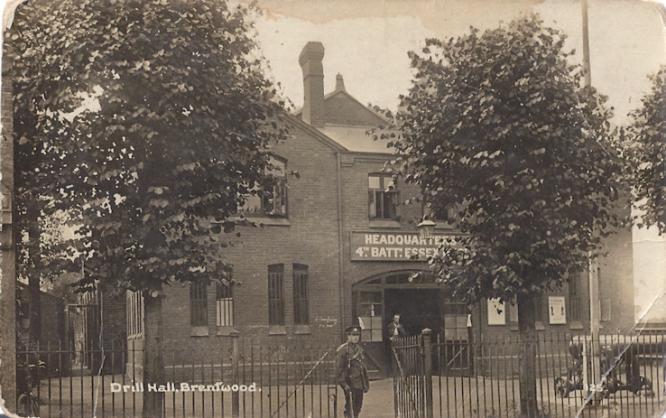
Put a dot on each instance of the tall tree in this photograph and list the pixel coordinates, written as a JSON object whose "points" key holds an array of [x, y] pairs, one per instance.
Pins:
{"points": [[646, 146], [498, 125], [152, 119]]}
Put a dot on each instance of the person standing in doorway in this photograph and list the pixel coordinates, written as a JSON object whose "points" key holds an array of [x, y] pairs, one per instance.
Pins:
{"points": [[351, 372], [395, 328]]}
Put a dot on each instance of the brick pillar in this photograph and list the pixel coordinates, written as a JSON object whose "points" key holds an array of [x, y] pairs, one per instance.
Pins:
{"points": [[7, 252]]}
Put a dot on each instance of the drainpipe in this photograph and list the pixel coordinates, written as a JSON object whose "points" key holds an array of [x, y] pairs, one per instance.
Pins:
{"points": [[341, 284]]}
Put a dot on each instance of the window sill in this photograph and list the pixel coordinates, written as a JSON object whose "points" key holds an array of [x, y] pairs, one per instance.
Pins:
{"points": [[383, 223], [199, 331], [277, 330], [539, 326], [226, 331], [576, 325], [302, 329], [443, 225], [263, 220]]}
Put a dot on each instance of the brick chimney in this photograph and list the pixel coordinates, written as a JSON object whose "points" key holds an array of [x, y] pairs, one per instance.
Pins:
{"points": [[313, 83]]}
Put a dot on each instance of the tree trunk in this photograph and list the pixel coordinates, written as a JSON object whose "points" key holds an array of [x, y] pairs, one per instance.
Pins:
{"points": [[34, 273], [153, 361], [528, 357]]}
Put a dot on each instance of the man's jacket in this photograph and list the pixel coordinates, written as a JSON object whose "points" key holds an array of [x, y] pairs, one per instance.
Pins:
{"points": [[392, 330], [350, 367]]}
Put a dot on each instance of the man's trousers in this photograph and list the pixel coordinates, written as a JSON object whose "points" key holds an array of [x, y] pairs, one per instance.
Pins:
{"points": [[353, 402]]}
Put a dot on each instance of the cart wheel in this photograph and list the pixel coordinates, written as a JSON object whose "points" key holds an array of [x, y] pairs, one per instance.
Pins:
{"points": [[646, 387], [561, 387]]}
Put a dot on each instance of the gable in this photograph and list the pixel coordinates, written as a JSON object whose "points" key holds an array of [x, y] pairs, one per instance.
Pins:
{"points": [[342, 109]]}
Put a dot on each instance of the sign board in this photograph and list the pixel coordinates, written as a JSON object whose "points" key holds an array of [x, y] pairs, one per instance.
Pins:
{"points": [[393, 246], [557, 311], [496, 312]]}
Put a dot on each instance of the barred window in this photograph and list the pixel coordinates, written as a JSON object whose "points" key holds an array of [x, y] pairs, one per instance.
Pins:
{"points": [[382, 196], [513, 312], [539, 309], [134, 313], [198, 304], [276, 294], [606, 307], [224, 305], [574, 299], [301, 306]]}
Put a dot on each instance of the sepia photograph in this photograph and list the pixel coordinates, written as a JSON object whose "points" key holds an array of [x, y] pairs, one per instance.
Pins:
{"points": [[333, 209]]}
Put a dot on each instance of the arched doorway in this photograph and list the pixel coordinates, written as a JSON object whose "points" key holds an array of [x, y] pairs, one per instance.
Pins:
{"points": [[421, 302]]}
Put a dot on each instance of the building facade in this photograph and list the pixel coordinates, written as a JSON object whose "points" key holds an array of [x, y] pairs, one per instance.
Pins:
{"points": [[337, 248]]}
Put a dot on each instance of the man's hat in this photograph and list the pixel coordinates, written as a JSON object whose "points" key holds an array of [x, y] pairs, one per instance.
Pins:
{"points": [[353, 331]]}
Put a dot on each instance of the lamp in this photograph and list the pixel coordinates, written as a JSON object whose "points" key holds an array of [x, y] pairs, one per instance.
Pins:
{"points": [[426, 227]]}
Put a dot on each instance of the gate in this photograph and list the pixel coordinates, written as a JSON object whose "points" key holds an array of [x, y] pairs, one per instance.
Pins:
{"points": [[436, 377], [412, 379]]}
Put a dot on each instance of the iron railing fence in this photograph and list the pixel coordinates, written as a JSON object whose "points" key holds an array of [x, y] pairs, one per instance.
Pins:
{"points": [[439, 377], [248, 380]]}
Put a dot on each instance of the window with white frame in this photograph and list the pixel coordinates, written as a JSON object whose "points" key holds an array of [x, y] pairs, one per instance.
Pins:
{"points": [[370, 315], [224, 301], [271, 201], [382, 196]]}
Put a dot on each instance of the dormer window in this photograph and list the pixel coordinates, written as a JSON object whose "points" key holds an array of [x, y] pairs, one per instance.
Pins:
{"points": [[382, 196], [271, 201]]}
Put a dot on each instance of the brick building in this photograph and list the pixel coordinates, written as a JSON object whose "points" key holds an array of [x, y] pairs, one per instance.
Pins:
{"points": [[337, 248]]}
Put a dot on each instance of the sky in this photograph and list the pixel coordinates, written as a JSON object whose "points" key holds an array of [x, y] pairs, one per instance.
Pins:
{"points": [[367, 42]]}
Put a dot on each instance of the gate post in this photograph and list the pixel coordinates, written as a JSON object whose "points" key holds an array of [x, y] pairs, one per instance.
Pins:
{"points": [[235, 361], [427, 363]]}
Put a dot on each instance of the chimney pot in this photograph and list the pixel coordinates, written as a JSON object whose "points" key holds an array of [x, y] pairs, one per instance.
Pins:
{"points": [[310, 59], [339, 83]]}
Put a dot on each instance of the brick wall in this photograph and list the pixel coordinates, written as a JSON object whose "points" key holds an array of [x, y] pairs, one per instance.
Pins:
{"points": [[317, 234], [310, 237]]}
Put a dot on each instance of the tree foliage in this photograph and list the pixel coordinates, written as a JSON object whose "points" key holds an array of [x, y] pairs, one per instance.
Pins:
{"points": [[646, 145], [149, 119], [498, 125]]}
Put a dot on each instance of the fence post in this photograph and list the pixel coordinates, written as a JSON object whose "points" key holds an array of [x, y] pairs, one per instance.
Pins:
{"points": [[427, 363], [235, 362]]}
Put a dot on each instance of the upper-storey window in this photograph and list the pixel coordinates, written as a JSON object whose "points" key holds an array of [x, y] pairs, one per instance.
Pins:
{"points": [[382, 196], [271, 201]]}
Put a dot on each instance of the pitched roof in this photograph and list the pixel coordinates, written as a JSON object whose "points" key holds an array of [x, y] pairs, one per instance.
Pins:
{"points": [[347, 122]]}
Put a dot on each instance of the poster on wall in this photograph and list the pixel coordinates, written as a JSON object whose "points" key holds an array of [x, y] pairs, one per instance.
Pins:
{"points": [[496, 312], [557, 311]]}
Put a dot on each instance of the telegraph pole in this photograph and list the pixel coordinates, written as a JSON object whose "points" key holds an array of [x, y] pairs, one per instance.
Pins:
{"points": [[7, 247], [586, 45], [593, 275]]}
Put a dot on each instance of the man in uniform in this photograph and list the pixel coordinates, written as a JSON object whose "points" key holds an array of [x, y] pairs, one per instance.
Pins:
{"points": [[351, 372]]}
